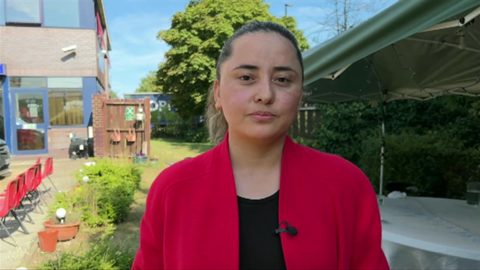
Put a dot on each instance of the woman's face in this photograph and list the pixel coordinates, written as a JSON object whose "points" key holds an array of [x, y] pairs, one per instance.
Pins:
{"points": [[260, 88]]}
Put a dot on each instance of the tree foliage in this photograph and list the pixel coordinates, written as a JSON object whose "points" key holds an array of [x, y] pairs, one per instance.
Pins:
{"points": [[113, 94], [196, 38], [148, 84]]}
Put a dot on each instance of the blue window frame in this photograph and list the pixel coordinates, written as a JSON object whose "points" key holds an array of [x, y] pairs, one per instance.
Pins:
{"points": [[2, 111], [61, 13], [23, 12]]}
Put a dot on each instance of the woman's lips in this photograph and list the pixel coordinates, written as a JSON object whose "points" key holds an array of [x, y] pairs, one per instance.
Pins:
{"points": [[262, 115]]}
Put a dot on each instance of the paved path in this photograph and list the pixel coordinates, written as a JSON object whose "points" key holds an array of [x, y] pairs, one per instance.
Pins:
{"points": [[11, 256]]}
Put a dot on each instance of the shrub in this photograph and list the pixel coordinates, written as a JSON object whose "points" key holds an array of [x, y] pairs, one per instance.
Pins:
{"points": [[343, 128], [438, 166], [111, 189], [107, 196], [71, 202], [123, 170], [102, 256], [198, 135], [190, 130]]}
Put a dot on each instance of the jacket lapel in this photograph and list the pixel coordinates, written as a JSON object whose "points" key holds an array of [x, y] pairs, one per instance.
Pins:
{"points": [[306, 205], [228, 249]]}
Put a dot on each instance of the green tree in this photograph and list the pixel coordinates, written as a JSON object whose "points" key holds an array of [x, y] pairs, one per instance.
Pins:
{"points": [[149, 84], [196, 38], [113, 95]]}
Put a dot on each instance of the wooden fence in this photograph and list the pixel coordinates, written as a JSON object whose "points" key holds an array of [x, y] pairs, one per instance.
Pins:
{"points": [[307, 120], [124, 135]]}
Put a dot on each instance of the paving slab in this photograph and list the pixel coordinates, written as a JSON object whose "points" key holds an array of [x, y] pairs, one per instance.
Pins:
{"points": [[11, 256]]}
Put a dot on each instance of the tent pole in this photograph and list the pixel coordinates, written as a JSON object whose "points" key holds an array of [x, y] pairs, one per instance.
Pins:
{"points": [[382, 150], [383, 108]]}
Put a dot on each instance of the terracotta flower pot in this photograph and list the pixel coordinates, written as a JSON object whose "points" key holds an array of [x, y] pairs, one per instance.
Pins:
{"points": [[48, 240], [65, 231]]}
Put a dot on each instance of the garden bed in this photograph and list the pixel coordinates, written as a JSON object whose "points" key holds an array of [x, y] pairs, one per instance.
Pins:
{"points": [[109, 237]]}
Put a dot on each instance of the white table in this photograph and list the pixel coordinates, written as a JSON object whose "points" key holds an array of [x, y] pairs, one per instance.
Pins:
{"points": [[430, 233]]}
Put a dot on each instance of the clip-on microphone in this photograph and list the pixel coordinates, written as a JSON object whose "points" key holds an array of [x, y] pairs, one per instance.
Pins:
{"points": [[289, 229]]}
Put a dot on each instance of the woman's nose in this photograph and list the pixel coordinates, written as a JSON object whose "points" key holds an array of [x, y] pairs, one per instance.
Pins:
{"points": [[265, 92]]}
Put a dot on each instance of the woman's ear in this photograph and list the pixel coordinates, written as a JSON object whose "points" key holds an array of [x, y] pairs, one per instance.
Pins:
{"points": [[216, 93]]}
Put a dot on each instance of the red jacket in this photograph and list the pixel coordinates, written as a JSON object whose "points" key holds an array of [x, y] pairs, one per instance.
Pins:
{"points": [[191, 219]]}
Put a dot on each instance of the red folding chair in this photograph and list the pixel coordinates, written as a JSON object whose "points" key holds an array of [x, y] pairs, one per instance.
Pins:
{"points": [[38, 180], [47, 171], [18, 202], [31, 187], [6, 204], [21, 194]]}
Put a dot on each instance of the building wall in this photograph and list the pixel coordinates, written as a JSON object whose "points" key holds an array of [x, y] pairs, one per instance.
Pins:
{"points": [[98, 132], [36, 51], [30, 51], [157, 100]]}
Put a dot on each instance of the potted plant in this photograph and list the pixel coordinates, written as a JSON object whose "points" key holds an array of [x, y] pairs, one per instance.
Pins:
{"points": [[140, 158], [154, 160], [67, 223]]}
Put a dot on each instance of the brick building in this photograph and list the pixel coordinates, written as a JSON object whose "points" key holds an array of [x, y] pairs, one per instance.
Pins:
{"points": [[53, 58]]}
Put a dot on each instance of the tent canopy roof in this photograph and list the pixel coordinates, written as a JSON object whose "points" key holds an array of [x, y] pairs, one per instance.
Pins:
{"points": [[388, 57]]}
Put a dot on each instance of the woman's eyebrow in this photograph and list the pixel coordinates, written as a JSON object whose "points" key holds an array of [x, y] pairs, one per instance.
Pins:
{"points": [[251, 67], [284, 68], [278, 68]]}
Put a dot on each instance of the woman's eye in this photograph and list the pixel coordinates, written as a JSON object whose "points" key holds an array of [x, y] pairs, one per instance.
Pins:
{"points": [[283, 80], [245, 78]]}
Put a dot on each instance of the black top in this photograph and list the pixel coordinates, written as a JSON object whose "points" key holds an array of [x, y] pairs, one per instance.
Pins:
{"points": [[260, 246]]}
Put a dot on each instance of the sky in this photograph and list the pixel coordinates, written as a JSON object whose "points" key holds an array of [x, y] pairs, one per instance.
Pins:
{"points": [[134, 25]]}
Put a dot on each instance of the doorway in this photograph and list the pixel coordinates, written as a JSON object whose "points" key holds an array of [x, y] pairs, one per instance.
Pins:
{"points": [[30, 128]]}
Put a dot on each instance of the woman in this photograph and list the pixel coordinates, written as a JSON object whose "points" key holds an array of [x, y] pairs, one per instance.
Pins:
{"points": [[258, 200]]}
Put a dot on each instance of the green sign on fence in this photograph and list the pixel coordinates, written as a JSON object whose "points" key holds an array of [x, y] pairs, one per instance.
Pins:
{"points": [[130, 113]]}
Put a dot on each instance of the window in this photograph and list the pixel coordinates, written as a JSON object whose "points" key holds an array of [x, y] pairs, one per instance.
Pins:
{"points": [[101, 37], [100, 88], [101, 60], [65, 107], [61, 13], [2, 13], [28, 82], [65, 82], [23, 11], [101, 44]]}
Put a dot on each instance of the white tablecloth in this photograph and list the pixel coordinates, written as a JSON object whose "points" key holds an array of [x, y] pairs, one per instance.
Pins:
{"points": [[430, 233]]}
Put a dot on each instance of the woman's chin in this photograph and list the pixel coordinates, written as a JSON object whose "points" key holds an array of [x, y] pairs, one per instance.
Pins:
{"points": [[261, 134]]}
